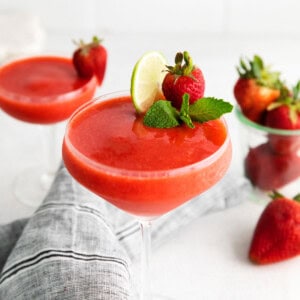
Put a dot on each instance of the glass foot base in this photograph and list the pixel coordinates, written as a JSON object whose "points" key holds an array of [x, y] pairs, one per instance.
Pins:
{"points": [[31, 186]]}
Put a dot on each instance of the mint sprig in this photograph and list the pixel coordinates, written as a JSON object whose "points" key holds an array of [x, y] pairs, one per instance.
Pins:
{"points": [[207, 109], [163, 115], [184, 114]]}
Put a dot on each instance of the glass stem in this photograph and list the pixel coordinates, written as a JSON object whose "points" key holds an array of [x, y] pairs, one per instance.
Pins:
{"points": [[145, 291], [48, 136]]}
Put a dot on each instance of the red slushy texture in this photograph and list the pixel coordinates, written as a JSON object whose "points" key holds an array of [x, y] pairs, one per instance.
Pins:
{"points": [[43, 89], [141, 169]]}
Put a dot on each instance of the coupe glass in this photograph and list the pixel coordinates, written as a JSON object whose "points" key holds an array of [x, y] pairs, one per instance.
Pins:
{"points": [[144, 194], [43, 91]]}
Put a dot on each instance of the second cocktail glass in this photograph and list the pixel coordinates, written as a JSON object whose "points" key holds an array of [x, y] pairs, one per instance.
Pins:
{"points": [[143, 171], [41, 90]]}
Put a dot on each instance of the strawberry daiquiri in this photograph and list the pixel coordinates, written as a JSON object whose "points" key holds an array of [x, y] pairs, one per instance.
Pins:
{"points": [[43, 89], [46, 90], [146, 152], [144, 171]]}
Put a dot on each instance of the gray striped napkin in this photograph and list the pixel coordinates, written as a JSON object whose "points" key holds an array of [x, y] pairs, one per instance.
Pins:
{"points": [[78, 246]]}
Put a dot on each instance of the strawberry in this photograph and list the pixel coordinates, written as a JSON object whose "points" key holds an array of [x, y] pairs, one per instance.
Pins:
{"points": [[269, 170], [277, 233], [90, 59], [284, 144], [285, 114], [283, 117], [256, 88], [181, 79]]}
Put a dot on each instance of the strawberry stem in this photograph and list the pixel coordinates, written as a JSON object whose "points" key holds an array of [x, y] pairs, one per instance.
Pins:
{"points": [[180, 68], [275, 195], [256, 69], [297, 197], [81, 43], [188, 66]]}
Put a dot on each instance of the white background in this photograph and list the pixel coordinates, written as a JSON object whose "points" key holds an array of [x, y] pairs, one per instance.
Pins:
{"points": [[144, 16], [221, 29]]}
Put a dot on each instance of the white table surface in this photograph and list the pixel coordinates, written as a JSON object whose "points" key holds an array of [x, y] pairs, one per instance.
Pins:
{"points": [[208, 258]]}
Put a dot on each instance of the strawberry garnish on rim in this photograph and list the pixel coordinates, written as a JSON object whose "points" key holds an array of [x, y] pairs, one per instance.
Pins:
{"points": [[277, 233], [90, 59], [256, 88], [183, 78]]}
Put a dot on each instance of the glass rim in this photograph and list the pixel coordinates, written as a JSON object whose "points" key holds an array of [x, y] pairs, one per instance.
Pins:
{"points": [[140, 173], [62, 97], [255, 126]]}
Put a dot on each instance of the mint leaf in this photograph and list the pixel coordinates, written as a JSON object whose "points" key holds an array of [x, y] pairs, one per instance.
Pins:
{"points": [[206, 109], [161, 115], [184, 114]]}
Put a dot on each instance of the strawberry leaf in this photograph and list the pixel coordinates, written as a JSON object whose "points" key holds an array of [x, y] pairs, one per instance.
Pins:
{"points": [[297, 198], [206, 109], [257, 66], [244, 68], [275, 195], [183, 64], [263, 75], [296, 91]]}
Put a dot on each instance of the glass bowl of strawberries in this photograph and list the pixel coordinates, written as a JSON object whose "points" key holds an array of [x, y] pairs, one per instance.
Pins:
{"points": [[269, 115]]}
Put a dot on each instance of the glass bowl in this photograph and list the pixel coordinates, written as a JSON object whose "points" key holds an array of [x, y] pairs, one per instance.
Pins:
{"points": [[271, 158]]}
